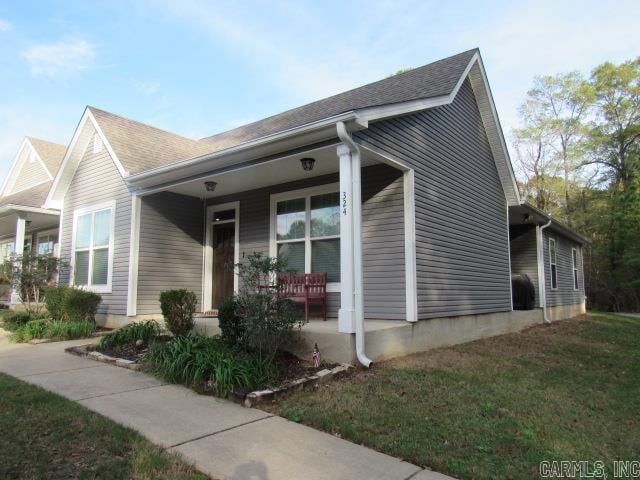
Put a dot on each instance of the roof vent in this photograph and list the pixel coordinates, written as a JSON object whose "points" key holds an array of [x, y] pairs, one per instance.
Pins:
{"points": [[97, 143]]}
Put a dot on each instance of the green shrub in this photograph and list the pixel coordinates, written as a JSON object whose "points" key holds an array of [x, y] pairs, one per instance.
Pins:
{"points": [[81, 305], [232, 329], [204, 363], [129, 335], [55, 330], [29, 331], [178, 307], [14, 320], [70, 304]]}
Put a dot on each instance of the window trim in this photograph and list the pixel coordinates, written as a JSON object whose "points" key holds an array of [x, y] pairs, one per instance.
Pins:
{"points": [[51, 231], [307, 193], [554, 262], [574, 270], [108, 288]]}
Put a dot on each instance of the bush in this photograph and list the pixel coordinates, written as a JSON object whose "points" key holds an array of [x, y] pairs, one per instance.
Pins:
{"points": [[269, 320], [178, 307], [68, 304], [204, 363], [129, 335], [55, 330], [14, 320], [232, 329]]}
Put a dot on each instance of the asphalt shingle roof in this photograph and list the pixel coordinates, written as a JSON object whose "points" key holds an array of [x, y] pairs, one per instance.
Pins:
{"points": [[51, 153], [31, 197]]}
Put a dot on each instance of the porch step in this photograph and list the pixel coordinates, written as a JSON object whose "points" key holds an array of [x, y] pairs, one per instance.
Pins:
{"points": [[208, 314]]}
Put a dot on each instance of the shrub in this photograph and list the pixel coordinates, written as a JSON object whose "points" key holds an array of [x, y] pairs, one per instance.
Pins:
{"points": [[130, 334], [15, 319], [204, 363], [269, 320], [55, 330], [178, 307], [232, 328], [68, 304]]}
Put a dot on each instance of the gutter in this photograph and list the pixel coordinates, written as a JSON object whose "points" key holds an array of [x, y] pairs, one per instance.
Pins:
{"points": [[543, 281], [356, 202]]}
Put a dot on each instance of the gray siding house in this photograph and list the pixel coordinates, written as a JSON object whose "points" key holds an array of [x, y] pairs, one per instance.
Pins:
{"points": [[402, 191], [24, 221]]}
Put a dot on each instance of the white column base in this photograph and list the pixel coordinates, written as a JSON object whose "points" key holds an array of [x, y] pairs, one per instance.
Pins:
{"points": [[346, 320]]}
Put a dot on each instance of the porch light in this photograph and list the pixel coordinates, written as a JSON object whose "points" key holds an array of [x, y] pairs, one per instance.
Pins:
{"points": [[307, 163], [210, 186]]}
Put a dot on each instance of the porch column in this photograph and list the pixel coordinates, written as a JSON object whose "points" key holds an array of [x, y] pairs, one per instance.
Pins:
{"points": [[21, 224], [346, 314]]}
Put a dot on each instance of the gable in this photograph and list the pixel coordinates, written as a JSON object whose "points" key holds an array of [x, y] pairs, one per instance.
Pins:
{"points": [[27, 171]]}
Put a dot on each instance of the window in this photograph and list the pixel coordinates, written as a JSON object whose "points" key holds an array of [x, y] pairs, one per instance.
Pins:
{"points": [[93, 247], [6, 250], [307, 230], [47, 243], [552, 263], [574, 259]]}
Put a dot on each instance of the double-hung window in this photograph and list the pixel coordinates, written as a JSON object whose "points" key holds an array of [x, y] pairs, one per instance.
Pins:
{"points": [[93, 247], [553, 266], [47, 243], [306, 231], [574, 260]]}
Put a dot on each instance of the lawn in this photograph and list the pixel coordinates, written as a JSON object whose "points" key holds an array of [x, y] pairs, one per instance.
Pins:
{"points": [[44, 436], [497, 407]]}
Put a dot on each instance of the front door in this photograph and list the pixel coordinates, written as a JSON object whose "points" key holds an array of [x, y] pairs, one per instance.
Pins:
{"points": [[223, 265]]}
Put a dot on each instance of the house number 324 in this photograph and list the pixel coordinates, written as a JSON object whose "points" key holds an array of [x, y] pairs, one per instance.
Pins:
{"points": [[344, 203]]}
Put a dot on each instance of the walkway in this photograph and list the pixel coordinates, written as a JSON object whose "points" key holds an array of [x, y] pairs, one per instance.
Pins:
{"points": [[219, 437]]}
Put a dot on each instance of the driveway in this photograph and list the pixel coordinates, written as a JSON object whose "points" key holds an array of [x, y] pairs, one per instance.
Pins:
{"points": [[219, 437]]}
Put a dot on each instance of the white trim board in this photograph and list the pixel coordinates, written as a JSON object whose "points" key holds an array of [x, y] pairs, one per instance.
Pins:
{"points": [[207, 271], [134, 252]]}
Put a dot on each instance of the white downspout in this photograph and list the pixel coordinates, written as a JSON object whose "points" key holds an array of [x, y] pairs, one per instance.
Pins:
{"points": [[344, 136], [542, 279]]}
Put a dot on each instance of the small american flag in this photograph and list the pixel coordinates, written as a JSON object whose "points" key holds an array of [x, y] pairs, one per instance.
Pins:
{"points": [[316, 356]]}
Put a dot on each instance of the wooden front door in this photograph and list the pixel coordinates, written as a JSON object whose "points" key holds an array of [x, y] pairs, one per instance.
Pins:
{"points": [[223, 266]]}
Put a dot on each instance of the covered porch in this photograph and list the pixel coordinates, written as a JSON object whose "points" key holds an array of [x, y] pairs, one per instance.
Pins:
{"points": [[346, 211]]}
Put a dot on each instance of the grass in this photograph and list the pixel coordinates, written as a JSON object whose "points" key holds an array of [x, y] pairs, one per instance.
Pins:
{"points": [[45, 436], [495, 408], [52, 329]]}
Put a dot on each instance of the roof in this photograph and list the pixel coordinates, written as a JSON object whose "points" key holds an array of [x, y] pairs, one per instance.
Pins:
{"points": [[31, 197], [50, 153], [140, 147], [433, 80], [527, 214]]}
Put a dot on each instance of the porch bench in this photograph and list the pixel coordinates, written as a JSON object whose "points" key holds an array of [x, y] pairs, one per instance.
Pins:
{"points": [[305, 288]]}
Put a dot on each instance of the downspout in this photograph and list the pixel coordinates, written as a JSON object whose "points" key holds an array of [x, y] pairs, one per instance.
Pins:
{"points": [[543, 281], [344, 136]]}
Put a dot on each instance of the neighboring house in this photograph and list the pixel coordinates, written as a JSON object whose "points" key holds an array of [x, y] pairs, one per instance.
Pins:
{"points": [[405, 206], [24, 222]]}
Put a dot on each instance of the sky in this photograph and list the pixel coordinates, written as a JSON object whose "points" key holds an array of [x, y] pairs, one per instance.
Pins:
{"points": [[199, 67]]}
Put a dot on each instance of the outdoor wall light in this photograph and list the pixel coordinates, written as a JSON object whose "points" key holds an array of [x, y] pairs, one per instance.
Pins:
{"points": [[210, 186], [307, 163]]}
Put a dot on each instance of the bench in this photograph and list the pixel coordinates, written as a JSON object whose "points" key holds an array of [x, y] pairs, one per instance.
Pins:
{"points": [[307, 288]]}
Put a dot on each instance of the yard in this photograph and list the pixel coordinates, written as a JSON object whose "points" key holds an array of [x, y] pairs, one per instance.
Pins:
{"points": [[497, 407], [45, 436]]}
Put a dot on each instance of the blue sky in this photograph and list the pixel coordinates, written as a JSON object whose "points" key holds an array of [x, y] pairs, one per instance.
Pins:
{"points": [[198, 67]]}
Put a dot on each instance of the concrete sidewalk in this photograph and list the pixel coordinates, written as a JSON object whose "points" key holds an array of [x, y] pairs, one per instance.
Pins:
{"points": [[219, 437]]}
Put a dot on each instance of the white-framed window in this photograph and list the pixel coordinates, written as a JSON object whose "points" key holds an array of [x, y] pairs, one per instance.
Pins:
{"points": [[305, 231], [92, 250], [574, 260], [47, 243], [553, 266], [7, 248]]}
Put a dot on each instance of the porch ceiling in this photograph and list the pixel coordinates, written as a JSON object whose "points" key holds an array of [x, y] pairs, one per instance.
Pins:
{"points": [[36, 221], [266, 173]]}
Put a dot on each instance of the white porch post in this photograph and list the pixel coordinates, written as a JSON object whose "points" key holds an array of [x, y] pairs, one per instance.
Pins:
{"points": [[346, 314], [21, 224]]}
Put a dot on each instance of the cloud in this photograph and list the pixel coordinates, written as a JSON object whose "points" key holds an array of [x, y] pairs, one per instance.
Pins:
{"points": [[147, 87], [60, 59], [5, 26]]}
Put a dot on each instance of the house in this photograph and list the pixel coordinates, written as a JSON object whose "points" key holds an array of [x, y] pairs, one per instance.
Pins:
{"points": [[24, 222], [402, 191]]}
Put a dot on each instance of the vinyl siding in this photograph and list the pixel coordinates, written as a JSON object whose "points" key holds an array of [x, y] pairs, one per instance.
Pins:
{"points": [[383, 235], [96, 181], [30, 174], [565, 294], [462, 246], [524, 255], [170, 253]]}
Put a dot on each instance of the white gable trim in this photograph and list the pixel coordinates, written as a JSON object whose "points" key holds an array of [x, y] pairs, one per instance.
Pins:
{"points": [[17, 165], [74, 155]]}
